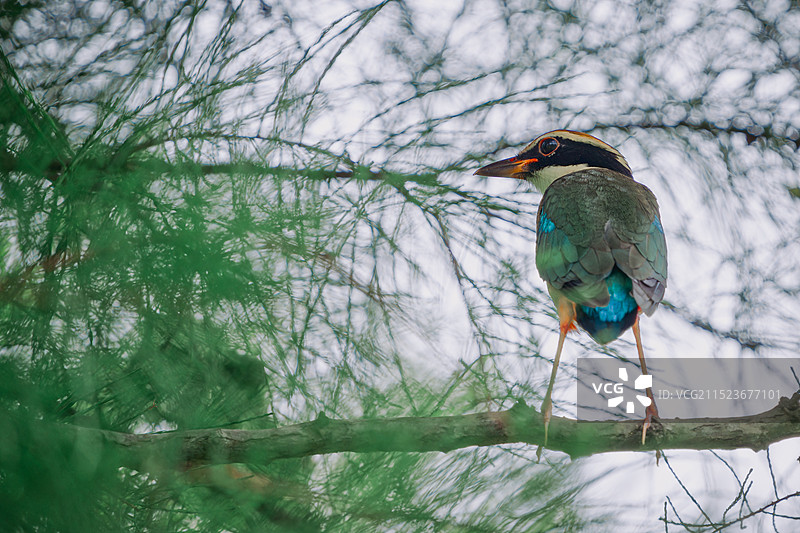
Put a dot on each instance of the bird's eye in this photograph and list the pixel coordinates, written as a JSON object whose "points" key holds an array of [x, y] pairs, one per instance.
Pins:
{"points": [[548, 146]]}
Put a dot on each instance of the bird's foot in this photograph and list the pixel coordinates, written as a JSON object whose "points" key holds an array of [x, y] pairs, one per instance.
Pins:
{"points": [[650, 413]]}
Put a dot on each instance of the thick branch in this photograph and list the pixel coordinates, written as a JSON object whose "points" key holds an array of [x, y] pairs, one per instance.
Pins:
{"points": [[521, 424]]}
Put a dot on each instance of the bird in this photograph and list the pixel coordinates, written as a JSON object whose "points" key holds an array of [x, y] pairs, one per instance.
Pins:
{"points": [[600, 244]]}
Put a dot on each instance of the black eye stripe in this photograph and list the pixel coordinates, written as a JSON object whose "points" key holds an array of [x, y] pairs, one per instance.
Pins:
{"points": [[548, 145]]}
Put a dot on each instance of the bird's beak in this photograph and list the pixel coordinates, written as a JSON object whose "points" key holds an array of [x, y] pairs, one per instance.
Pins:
{"points": [[513, 167]]}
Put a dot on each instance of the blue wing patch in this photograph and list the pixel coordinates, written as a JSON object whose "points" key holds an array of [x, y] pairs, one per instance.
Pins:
{"points": [[545, 224], [657, 224]]}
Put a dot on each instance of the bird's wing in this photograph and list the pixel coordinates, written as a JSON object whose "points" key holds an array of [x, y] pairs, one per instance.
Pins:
{"points": [[592, 220], [640, 251]]}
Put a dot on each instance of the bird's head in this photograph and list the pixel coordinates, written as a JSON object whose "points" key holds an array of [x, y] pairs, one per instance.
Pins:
{"points": [[557, 154]]}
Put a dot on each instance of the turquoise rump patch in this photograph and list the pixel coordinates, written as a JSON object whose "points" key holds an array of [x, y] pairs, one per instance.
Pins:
{"points": [[545, 224], [621, 303], [607, 323]]}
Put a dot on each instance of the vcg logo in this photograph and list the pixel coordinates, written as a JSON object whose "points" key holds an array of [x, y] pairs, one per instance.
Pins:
{"points": [[617, 389]]}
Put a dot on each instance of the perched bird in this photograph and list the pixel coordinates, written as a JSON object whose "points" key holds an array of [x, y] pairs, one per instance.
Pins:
{"points": [[600, 245]]}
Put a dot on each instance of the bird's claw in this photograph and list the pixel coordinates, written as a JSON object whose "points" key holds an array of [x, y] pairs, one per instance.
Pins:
{"points": [[649, 414]]}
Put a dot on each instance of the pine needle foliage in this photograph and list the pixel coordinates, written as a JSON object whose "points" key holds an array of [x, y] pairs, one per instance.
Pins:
{"points": [[246, 214]]}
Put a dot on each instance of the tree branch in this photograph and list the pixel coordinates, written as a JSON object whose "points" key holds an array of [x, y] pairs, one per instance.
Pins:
{"points": [[520, 424]]}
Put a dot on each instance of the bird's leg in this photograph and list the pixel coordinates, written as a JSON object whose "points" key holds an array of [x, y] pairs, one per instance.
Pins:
{"points": [[566, 315], [651, 411]]}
